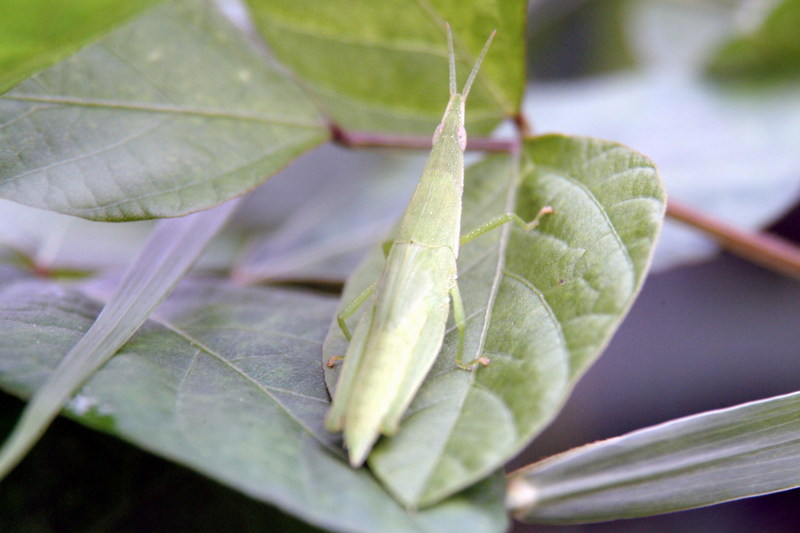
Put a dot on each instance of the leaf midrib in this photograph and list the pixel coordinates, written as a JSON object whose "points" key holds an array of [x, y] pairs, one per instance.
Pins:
{"points": [[268, 391], [163, 108]]}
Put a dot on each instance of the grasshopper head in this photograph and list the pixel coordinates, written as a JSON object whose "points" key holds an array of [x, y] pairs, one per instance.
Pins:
{"points": [[452, 124]]}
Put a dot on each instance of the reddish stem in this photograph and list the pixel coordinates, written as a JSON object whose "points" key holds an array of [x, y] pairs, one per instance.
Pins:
{"points": [[523, 126], [762, 248]]}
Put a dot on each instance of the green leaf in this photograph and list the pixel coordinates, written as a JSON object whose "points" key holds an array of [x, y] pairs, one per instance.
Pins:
{"points": [[383, 66], [700, 460], [228, 382], [766, 52], [37, 33], [542, 305], [554, 49], [173, 113], [172, 248]]}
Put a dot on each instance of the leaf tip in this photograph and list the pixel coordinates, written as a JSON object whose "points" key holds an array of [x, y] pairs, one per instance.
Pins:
{"points": [[521, 495]]}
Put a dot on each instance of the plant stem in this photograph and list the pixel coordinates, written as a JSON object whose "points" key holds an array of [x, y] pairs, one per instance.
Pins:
{"points": [[366, 139], [764, 249], [523, 126]]}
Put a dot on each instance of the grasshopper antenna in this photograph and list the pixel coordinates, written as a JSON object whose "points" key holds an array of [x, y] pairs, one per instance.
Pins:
{"points": [[453, 88], [468, 85]]}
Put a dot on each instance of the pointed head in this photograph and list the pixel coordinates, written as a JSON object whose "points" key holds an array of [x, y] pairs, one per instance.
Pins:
{"points": [[452, 123]]}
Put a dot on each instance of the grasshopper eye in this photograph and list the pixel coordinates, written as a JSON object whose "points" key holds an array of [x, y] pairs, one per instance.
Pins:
{"points": [[438, 132], [462, 138]]}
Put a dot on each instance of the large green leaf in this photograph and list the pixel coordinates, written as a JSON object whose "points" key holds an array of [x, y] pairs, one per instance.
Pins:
{"points": [[382, 65], [542, 305], [37, 33], [229, 382], [704, 459], [172, 113]]}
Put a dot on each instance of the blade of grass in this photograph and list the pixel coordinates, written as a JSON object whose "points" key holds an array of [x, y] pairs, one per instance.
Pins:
{"points": [[169, 252], [712, 457]]}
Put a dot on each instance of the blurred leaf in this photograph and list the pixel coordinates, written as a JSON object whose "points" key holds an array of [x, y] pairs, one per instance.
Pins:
{"points": [[229, 382], [700, 460], [173, 247], [542, 305], [670, 35], [55, 241], [382, 66], [768, 51], [574, 38], [37, 33], [340, 203], [61, 243], [170, 114]]}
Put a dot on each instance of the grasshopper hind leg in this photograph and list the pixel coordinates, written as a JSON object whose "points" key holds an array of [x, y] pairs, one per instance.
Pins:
{"points": [[461, 325], [351, 308]]}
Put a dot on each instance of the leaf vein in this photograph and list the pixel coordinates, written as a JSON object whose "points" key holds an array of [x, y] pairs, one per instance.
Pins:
{"points": [[86, 155], [601, 209], [268, 391], [153, 107], [183, 186], [547, 307]]}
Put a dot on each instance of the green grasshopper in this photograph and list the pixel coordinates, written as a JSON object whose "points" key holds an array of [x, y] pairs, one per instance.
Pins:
{"points": [[398, 339]]}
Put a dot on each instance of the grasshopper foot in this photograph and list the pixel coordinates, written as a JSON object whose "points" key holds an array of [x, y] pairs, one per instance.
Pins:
{"points": [[483, 361], [333, 360]]}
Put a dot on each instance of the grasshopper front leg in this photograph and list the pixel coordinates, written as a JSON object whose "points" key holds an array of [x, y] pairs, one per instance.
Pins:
{"points": [[458, 306], [346, 313], [461, 325], [502, 219], [353, 306]]}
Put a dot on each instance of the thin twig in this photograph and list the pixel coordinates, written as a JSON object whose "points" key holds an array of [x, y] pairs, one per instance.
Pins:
{"points": [[762, 248], [365, 139]]}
